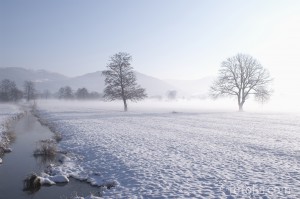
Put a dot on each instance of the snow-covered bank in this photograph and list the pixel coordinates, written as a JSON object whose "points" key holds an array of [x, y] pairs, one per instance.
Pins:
{"points": [[8, 113], [177, 155]]}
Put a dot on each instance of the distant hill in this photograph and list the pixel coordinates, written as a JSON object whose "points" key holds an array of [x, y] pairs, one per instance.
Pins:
{"points": [[19, 75], [92, 81], [95, 82], [196, 88]]}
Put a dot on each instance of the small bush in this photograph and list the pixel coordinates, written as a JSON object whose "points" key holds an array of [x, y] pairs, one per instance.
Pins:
{"points": [[111, 184], [32, 183], [1, 151], [57, 137], [46, 148], [11, 136]]}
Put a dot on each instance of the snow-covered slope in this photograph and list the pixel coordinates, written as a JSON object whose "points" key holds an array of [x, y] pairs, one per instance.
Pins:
{"points": [[155, 86], [19, 75], [91, 81], [179, 155], [95, 81]]}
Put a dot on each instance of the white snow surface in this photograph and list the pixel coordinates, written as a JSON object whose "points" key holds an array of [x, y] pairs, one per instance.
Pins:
{"points": [[153, 154], [46, 181], [51, 180], [6, 111], [59, 179]]}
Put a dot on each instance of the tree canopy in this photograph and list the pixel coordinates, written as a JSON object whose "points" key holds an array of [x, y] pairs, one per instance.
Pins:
{"points": [[120, 80], [242, 76]]}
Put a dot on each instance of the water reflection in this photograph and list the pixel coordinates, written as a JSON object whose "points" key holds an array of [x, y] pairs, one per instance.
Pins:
{"points": [[21, 162]]}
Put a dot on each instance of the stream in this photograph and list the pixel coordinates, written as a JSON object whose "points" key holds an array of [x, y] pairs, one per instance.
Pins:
{"points": [[18, 164]]}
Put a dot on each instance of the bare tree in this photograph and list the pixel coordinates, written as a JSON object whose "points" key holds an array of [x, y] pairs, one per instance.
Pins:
{"points": [[120, 80], [9, 91], [29, 90], [16, 94], [65, 93], [6, 87], [82, 93], [241, 76]]}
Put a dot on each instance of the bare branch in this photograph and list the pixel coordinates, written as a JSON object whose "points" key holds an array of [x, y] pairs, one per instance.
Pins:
{"points": [[241, 76], [120, 80]]}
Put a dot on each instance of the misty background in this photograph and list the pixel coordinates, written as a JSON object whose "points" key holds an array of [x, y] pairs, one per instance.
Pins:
{"points": [[175, 45]]}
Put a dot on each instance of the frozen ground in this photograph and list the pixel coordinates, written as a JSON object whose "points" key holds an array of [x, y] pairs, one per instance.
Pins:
{"points": [[7, 111], [160, 154]]}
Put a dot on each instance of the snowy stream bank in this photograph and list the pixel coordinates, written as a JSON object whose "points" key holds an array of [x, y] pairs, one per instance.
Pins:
{"points": [[21, 162]]}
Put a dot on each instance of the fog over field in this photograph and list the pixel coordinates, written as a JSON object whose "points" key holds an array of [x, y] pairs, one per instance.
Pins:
{"points": [[149, 99], [191, 95]]}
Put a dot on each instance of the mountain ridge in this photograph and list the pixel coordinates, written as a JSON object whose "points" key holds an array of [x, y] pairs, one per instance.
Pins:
{"points": [[94, 81]]}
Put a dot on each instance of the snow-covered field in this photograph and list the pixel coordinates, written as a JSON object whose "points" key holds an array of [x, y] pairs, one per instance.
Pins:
{"points": [[7, 111], [164, 154]]}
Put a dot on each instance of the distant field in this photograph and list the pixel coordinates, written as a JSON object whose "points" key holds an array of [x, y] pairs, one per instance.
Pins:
{"points": [[165, 154]]}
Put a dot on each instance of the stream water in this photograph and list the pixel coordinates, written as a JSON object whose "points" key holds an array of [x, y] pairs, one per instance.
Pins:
{"points": [[18, 164]]}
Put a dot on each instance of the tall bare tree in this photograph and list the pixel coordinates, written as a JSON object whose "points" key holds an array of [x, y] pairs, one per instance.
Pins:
{"points": [[120, 80], [29, 90], [242, 76]]}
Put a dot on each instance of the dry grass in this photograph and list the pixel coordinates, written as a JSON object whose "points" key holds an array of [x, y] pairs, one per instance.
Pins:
{"points": [[1, 151], [46, 148], [110, 185], [11, 136], [57, 137], [32, 183], [8, 136]]}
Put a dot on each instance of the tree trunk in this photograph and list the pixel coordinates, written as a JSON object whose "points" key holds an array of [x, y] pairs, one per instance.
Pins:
{"points": [[125, 105], [241, 107], [241, 101]]}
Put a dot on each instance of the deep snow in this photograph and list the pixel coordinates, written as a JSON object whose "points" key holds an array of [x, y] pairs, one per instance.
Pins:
{"points": [[160, 154]]}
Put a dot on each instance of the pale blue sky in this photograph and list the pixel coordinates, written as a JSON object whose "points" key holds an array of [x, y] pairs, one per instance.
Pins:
{"points": [[167, 38]]}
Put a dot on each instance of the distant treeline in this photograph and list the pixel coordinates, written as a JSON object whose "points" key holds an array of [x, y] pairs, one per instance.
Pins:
{"points": [[81, 94], [9, 92]]}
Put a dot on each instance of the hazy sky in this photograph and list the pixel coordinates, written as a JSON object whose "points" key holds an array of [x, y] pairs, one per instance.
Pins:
{"points": [[168, 39]]}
